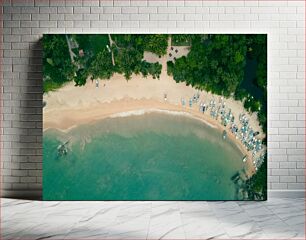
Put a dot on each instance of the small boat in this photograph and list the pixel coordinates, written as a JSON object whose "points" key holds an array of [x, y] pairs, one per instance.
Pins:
{"points": [[255, 133], [62, 149], [236, 176], [224, 134], [244, 158]]}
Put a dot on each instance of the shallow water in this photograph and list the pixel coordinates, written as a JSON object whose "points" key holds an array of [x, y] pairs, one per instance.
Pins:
{"points": [[154, 156]]}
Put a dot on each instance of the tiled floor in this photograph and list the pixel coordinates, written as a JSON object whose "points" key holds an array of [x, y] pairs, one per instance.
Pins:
{"points": [[274, 219]]}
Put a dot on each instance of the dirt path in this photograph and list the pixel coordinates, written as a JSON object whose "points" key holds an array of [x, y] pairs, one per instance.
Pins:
{"points": [[111, 42], [71, 53]]}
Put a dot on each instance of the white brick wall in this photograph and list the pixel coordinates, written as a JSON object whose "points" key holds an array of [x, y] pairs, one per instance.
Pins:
{"points": [[24, 22]]}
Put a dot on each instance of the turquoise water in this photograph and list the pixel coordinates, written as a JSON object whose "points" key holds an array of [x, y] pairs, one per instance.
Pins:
{"points": [[154, 156]]}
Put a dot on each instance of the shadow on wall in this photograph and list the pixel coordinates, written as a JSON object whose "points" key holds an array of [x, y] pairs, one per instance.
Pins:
{"points": [[30, 125]]}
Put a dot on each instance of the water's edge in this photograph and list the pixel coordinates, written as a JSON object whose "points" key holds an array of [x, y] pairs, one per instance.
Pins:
{"points": [[137, 156]]}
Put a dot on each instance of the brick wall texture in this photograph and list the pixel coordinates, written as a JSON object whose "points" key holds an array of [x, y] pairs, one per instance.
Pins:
{"points": [[24, 22]]}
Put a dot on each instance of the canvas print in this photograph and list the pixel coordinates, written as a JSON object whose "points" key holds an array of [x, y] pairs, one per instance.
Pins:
{"points": [[154, 116]]}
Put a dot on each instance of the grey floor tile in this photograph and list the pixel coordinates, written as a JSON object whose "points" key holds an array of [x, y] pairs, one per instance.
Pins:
{"points": [[273, 219]]}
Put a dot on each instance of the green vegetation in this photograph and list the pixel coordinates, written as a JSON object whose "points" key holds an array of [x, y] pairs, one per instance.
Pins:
{"points": [[257, 49], [128, 53], [92, 57], [101, 66], [80, 77], [181, 39], [215, 63], [258, 183], [153, 69], [57, 66], [91, 43], [156, 43]]}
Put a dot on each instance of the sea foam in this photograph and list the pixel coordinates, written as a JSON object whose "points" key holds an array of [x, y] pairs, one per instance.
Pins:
{"points": [[153, 110]]}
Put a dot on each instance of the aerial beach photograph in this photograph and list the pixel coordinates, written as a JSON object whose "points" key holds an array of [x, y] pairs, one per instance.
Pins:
{"points": [[154, 117]]}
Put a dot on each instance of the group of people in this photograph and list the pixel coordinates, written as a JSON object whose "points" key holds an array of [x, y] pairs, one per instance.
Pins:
{"points": [[172, 53], [242, 130], [248, 138]]}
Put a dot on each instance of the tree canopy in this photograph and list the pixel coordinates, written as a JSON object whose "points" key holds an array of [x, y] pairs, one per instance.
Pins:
{"points": [[257, 49], [57, 66], [214, 63], [101, 66], [128, 60], [156, 43], [92, 43], [181, 39], [96, 60], [128, 53], [258, 183]]}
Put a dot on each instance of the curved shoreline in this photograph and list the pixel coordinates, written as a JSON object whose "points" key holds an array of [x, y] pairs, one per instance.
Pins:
{"points": [[67, 119], [137, 112], [155, 110], [70, 106]]}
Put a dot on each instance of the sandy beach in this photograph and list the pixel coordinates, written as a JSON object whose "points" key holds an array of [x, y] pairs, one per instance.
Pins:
{"points": [[70, 106]]}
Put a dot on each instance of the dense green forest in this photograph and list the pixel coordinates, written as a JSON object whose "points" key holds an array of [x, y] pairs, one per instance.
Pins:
{"points": [[257, 49], [128, 52], [258, 183], [215, 63], [93, 57], [181, 39], [57, 67]]}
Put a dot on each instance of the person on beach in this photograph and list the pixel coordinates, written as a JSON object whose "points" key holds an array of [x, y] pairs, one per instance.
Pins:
{"points": [[183, 102]]}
